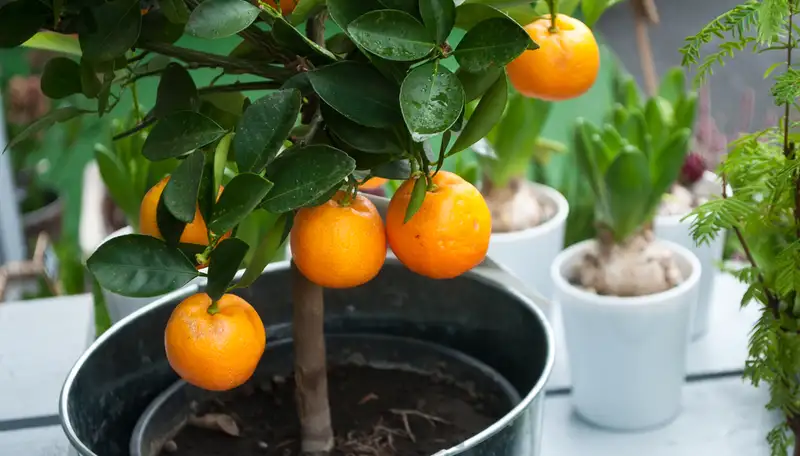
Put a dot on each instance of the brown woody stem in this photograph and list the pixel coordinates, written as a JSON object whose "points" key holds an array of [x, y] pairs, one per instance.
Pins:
{"points": [[310, 371], [644, 13]]}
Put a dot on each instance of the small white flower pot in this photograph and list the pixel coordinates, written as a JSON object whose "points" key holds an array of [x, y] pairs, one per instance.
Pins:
{"points": [[671, 228], [528, 254], [627, 355]]}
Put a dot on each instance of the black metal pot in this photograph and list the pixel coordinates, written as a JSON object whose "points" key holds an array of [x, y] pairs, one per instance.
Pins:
{"points": [[481, 324]]}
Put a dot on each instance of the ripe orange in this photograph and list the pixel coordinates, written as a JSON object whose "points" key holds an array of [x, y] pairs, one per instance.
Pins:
{"points": [[339, 246], [195, 232], [448, 236], [565, 65], [215, 352], [287, 6], [373, 183]]}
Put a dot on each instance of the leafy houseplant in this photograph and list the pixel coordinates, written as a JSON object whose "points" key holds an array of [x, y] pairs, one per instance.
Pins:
{"points": [[763, 212], [349, 106], [624, 285]]}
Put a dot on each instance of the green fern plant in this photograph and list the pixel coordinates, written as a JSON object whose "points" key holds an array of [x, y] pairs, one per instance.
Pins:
{"points": [[764, 211], [634, 158]]}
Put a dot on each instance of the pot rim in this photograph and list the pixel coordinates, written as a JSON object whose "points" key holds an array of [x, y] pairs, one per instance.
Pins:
{"points": [[187, 290], [662, 298], [668, 221], [554, 223]]}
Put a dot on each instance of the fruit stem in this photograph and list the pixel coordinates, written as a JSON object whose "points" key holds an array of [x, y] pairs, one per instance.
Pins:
{"points": [[213, 309], [553, 6]]}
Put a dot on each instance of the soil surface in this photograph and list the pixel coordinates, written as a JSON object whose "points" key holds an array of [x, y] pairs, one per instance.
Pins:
{"points": [[375, 412]]}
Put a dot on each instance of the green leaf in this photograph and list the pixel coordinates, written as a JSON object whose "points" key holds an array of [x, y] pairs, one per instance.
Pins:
{"points": [[367, 139], [686, 111], [396, 170], [90, 83], [118, 181], [468, 15], [180, 194], [635, 131], [118, 25], [666, 165], [169, 226], [439, 17], [303, 174], [157, 28], [592, 10], [175, 10], [358, 92], [224, 263], [340, 44], [393, 35], [215, 19], [180, 133], [267, 250], [176, 92], [657, 121], [492, 43], [221, 158], [140, 266], [61, 78], [417, 198], [52, 41], [409, 6], [431, 99], [673, 85], [476, 84], [628, 183], [295, 40], [486, 115], [586, 155], [58, 115], [241, 196], [209, 189], [343, 12], [304, 9], [20, 20], [263, 128]]}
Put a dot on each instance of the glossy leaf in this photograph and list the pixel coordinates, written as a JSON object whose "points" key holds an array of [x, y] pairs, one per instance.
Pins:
{"points": [[358, 92], [51, 41], [263, 128], [267, 250], [304, 10], [340, 44], [486, 115], [176, 92], [492, 43], [221, 158], [180, 194], [61, 78], [396, 170], [224, 263], [90, 83], [357, 136], [593, 9], [295, 40], [170, 228], [628, 183], [140, 266], [118, 25], [20, 20], [439, 17], [175, 10], [392, 35], [118, 180], [241, 196], [214, 19], [180, 133], [476, 84], [431, 99], [408, 6], [417, 198], [343, 12], [156, 28], [468, 15], [303, 174], [57, 115]]}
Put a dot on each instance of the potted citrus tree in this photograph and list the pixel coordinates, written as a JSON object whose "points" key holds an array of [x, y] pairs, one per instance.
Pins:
{"points": [[343, 107], [627, 298], [763, 210]]}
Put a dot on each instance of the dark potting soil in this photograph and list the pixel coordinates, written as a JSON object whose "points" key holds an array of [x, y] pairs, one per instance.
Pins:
{"points": [[375, 412]]}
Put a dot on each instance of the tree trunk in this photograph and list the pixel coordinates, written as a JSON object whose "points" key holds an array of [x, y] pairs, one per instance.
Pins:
{"points": [[310, 371], [645, 13]]}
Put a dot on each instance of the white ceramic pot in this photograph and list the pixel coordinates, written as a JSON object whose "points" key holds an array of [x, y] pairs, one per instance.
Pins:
{"points": [[627, 355], [671, 228], [528, 254]]}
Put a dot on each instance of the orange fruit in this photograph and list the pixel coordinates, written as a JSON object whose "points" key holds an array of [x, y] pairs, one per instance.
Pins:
{"points": [[195, 232], [339, 246], [448, 236], [215, 352], [373, 183], [287, 6], [565, 65]]}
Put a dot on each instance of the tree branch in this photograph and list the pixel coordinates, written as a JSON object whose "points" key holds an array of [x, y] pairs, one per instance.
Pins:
{"points": [[644, 13], [241, 86]]}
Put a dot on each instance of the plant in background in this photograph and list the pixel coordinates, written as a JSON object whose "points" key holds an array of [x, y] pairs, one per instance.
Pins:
{"points": [[630, 162], [764, 211], [350, 106]]}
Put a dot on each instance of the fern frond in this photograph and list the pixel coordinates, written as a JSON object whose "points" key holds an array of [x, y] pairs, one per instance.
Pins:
{"points": [[735, 23], [772, 17], [787, 87]]}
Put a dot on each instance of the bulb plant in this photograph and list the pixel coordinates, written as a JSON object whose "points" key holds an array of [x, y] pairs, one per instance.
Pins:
{"points": [[630, 162], [764, 210]]}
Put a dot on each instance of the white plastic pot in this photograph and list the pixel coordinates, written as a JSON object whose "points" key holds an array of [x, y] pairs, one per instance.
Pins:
{"points": [[528, 254], [671, 228], [627, 355]]}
